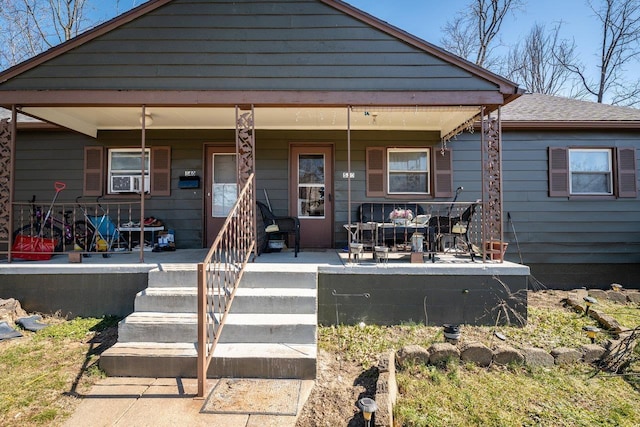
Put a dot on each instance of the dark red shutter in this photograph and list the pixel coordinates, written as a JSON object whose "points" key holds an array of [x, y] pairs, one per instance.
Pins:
{"points": [[558, 172], [93, 171], [376, 172], [161, 171], [442, 173], [627, 175]]}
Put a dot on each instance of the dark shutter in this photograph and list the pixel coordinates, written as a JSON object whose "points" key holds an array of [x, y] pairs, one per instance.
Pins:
{"points": [[375, 172], [442, 174], [558, 172], [161, 171], [93, 171], [627, 176]]}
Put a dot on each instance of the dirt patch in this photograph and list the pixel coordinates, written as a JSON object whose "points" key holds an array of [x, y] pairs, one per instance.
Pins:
{"points": [[339, 385]]}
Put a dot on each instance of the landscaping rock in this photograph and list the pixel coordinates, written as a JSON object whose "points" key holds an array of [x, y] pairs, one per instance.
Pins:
{"points": [[383, 416], [566, 355], [591, 352], [534, 356], [633, 296], [10, 310], [387, 361], [505, 355], [477, 353], [387, 377], [598, 293], [580, 293], [576, 304], [441, 352], [412, 354], [617, 297], [609, 323]]}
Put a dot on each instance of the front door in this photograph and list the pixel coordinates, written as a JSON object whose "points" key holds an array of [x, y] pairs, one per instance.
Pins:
{"points": [[311, 193], [221, 188]]}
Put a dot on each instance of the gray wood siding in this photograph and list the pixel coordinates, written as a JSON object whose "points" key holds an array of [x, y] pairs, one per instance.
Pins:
{"points": [[247, 45], [559, 230], [550, 230]]}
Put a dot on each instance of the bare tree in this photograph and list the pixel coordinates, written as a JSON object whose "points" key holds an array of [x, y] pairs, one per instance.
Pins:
{"points": [[28, 27], [472, 33], [620, 45], [538, 62]]}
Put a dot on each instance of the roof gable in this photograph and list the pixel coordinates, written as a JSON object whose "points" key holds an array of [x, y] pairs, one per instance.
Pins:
{"points": [[284, 45]]}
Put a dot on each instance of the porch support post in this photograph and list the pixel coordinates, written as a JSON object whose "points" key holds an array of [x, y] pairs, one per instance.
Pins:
{"points": [[492, 229], [143, 143], [245, 148], [349, 179], [7, 157]]}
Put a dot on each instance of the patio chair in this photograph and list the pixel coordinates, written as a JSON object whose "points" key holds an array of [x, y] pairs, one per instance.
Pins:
{"points": [[275, 226], [458, 228]]}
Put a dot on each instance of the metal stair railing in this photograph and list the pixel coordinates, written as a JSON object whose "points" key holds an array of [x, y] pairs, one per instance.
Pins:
{"points": [[220, 273]]}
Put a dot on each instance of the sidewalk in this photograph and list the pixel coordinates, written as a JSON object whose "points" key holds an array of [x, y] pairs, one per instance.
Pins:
{"points": [[164, 402]]}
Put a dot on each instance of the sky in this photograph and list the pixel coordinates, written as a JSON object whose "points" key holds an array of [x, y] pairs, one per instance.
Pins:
{"points": [[426, 18]]}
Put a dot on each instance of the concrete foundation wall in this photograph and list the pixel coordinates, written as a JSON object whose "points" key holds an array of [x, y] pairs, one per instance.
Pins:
{"points": [[388, 299], [74, 295]]}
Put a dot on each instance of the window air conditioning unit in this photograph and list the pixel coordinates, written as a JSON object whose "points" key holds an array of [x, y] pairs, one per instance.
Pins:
{"points": [[128, 184]]}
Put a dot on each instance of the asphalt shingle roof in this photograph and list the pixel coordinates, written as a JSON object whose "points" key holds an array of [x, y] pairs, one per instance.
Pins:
{"points": [[535, 107]]}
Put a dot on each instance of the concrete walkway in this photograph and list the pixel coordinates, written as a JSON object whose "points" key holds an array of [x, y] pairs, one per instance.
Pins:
{"points": [[135, 402]]}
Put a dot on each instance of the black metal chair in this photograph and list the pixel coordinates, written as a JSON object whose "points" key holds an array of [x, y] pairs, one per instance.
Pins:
{"points": [[457, 227], [276, 226]]}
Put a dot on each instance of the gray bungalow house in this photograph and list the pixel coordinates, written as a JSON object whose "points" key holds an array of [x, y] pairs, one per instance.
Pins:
{"points": [[320, 110], [313, 83]]}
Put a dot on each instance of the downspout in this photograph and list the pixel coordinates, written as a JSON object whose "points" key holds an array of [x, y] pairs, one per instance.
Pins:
{"points": [[143, 143], [12, 174]]}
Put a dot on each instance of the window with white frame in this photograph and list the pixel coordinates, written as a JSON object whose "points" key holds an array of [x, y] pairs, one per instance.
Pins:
{"points": [[408, 171], [591, 171], [124, 170]]}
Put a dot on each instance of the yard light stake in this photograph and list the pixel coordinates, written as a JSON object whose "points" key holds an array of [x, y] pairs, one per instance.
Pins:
{"points": [[368, 407], [616, 287], [591, 332], [588, 302]]}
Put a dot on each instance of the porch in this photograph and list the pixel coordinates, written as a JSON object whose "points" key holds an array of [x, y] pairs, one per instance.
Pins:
{"points": [[453, 289]]}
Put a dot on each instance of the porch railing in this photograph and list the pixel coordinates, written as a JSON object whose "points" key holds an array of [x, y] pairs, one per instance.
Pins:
{"points": [[220, 273], [74, 225]]}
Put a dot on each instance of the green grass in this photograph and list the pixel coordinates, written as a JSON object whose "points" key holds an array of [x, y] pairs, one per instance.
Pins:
{"points": [[514, 396], [464, 394], [42, 370]]}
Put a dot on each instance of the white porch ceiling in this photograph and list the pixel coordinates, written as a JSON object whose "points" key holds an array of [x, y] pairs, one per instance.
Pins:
{"points": [[89, 120]]}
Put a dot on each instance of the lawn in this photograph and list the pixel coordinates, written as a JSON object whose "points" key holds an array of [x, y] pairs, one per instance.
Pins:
{"points": [[43, 372], [459, 394]]}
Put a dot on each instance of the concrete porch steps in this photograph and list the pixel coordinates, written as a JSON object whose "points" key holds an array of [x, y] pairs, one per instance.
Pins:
{"points": [[230, 360], [248, 300], [271, 330], [243, 327]]}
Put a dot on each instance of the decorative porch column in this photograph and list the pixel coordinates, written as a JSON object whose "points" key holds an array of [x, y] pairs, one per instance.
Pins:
{"points": [[7, 135], [245, 144], [492, 230]]}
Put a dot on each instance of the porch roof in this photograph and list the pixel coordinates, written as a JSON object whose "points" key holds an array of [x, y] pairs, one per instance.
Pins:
{"points": [[302, 63]]}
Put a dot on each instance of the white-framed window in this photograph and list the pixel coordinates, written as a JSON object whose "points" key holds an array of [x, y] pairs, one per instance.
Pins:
{"points": [[124, 170], [590, 171], [408, 171]]}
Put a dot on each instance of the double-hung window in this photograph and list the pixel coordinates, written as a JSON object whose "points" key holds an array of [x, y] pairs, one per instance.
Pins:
{"points": [[408, 171], [411, 173], [592, 172]]}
